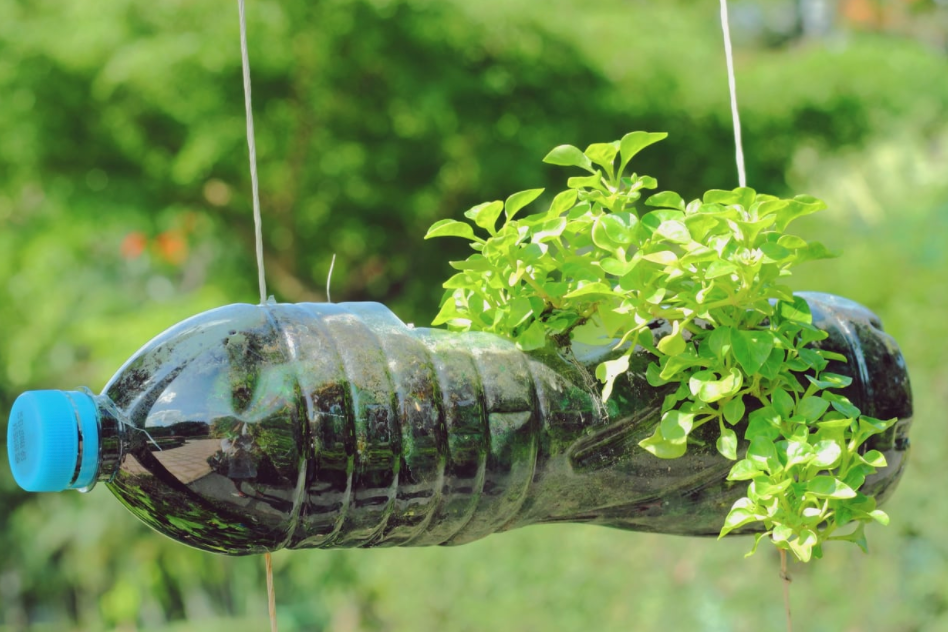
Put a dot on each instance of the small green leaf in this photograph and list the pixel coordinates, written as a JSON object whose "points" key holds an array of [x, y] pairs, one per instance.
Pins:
{"points": [[727, 444], [600, 236], [652, 375], [450, 228], [757, 538], [613, 321], [518, 200], [742, 512], [534, 337], [591, 288], [828, 454], [734, 410], [842, 405], [563, 202], [803, 545], [798, 311], [771, 368], [549, 230], [798, 207], [619, 227], [874, 458], [792, 242], [719, 268], [663, 448], [585, 182], [477, 262], [618, 268], [751, 348], [674, 231], [531, 253], [485, 215], [672, 345], [782, 533], [593, 332], [708, 387], [811, 359], [655, 296], [763, 489], [763, 422], [664, 257], [568, 156], [814, 251], [830, 380], [797, 452], [743, 470], [829, 487], [698, 254], [835, 424], [770, 206], [812, 408], [653, 219], [880, 516], [700, 224], [722, 197], [603, 154], [608, 371], [635, 142], [870, 425], [751, 231], [450, 313], [719, 342], [764, 454], [459, 280], [666, 199], [782, 402], [676, 425], [645, 182], [673, 365], [520, 309], [858, 537]]}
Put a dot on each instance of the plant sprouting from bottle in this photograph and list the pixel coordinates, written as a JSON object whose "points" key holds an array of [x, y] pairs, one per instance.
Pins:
{"points": [[599, 264]]}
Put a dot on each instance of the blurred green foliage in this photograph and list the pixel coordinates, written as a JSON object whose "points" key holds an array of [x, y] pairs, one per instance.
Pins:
{"points": [[124, 208]]}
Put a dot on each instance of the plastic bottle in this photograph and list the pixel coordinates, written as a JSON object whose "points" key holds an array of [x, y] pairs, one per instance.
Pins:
{"points": [[256, 427]]}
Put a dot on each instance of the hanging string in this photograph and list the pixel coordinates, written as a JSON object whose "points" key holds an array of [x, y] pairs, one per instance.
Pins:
{"points": [[252, 145], [732, 84], [258, 236], [271, 595]]}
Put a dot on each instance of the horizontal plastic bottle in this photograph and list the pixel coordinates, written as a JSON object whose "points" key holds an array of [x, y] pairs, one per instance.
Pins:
{"points": [[257, 427]]}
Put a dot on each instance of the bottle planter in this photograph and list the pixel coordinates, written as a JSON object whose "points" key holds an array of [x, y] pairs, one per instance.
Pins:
{"points": [[254, 428]]}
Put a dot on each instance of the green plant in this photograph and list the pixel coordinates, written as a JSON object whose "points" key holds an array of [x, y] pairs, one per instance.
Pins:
{"points": [[597, 267]]}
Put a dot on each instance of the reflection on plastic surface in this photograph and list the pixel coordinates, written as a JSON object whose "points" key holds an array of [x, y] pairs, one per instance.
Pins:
{"points": [[335, 425]]}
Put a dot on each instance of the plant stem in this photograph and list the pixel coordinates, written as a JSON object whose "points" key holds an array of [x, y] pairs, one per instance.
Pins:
{"points": [[785, 576], [539, 290]]}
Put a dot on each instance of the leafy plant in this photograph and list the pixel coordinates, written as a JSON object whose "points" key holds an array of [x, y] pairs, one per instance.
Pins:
{"points": [[597, 267]]}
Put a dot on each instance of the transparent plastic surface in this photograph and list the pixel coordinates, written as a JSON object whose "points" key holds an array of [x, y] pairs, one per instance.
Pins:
{"points": [[257, 427]]}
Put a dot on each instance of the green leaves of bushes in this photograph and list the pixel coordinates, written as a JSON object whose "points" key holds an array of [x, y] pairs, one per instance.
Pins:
{"points": [[597, 266]]}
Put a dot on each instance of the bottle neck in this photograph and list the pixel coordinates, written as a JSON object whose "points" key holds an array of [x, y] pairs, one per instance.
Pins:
{"points": [[111, 440]]}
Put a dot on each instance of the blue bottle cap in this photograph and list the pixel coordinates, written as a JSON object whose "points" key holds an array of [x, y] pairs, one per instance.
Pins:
{"points": [[53, 440]]}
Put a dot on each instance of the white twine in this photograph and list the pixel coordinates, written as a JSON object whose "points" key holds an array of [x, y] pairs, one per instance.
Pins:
{"points": [[732, 84], [251, 144], [329, 278], [258, 235]]}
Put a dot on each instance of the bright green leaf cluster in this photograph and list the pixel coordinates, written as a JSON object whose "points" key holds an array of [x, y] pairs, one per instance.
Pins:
{"points": [[597, 267]]}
